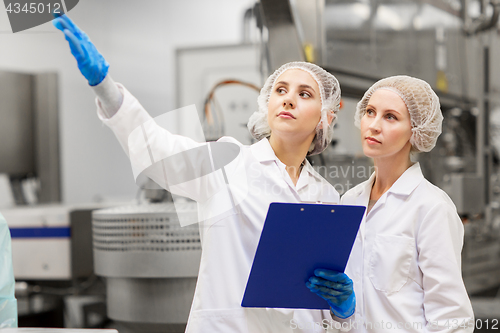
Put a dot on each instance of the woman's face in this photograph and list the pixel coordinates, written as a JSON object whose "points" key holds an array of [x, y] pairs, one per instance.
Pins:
{"points": [[294, 106], [386, 126]]}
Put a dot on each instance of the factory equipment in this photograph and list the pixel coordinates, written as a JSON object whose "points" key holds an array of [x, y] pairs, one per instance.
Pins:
{"points": [[150, 264], [30, 136], [53, 267], [51, 242], [201, 69], [283, 44]]}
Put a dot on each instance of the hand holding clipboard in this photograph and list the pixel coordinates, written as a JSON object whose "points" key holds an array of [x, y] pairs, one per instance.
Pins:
{"points": [[336, 289]]}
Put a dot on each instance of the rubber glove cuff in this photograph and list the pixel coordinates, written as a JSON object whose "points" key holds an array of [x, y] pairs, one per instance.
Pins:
{"points": [[96, 71], [346, 310]]}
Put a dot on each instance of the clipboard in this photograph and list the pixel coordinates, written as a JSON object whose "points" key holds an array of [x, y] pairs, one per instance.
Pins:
{"points": [[296, 239]]}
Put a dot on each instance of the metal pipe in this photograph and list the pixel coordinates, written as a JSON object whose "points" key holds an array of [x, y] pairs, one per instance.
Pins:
{"points": [[486, 124], [483, 23]]}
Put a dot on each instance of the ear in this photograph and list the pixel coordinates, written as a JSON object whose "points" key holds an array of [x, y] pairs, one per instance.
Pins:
{"points": [[329, 118]]}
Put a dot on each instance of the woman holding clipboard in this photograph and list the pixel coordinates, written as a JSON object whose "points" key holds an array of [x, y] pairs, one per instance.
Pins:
{"points": [[405, 264], [297, 109]]}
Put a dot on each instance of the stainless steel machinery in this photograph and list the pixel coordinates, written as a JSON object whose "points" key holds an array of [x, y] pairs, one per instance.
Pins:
{"points": [[150, 264], [30, 135]]}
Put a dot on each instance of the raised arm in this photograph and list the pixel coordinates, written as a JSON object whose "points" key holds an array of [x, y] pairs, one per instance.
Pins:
{"points": [[174, 162]]}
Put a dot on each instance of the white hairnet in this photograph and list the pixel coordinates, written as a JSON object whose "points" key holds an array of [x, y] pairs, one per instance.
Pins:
{"points": [[330, 103], [422, 103]]}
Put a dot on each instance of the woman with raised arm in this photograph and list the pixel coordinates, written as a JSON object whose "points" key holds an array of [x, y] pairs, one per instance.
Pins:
{"points": [[297, 108], [406, 261]]}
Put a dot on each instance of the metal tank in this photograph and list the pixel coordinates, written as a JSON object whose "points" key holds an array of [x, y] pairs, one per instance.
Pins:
{"points": [[150, 264]]}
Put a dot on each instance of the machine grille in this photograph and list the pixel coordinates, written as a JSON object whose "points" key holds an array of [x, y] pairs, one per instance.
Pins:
{"points": [[146, 228]]}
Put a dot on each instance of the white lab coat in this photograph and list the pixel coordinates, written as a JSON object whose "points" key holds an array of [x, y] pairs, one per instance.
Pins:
{"points": [[406, 259], [8, 302], [229, 241]]}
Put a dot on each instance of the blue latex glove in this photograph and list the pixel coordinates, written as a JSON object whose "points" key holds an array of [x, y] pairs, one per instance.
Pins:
{"points": [[90, 62], [336, 289], [8, 303]]}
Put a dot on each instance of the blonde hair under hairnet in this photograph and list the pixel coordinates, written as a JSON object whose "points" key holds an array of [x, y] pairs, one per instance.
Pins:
{"points": [[422, 103], [330, 103]]}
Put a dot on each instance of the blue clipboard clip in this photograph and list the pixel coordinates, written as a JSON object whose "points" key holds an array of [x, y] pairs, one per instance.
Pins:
{"points": [[319, 203]]}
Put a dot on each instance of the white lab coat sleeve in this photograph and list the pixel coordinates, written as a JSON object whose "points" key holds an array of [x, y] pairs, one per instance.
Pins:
{"points": [[342, 325], [440, 235], [154, 152], [109, 96], [8, 302]]}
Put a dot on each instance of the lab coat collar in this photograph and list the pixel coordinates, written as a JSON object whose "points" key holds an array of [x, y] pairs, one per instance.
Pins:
{"points": [[362, 192], [306, 175], [263, 152], [408, 181], [404, 185]]}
